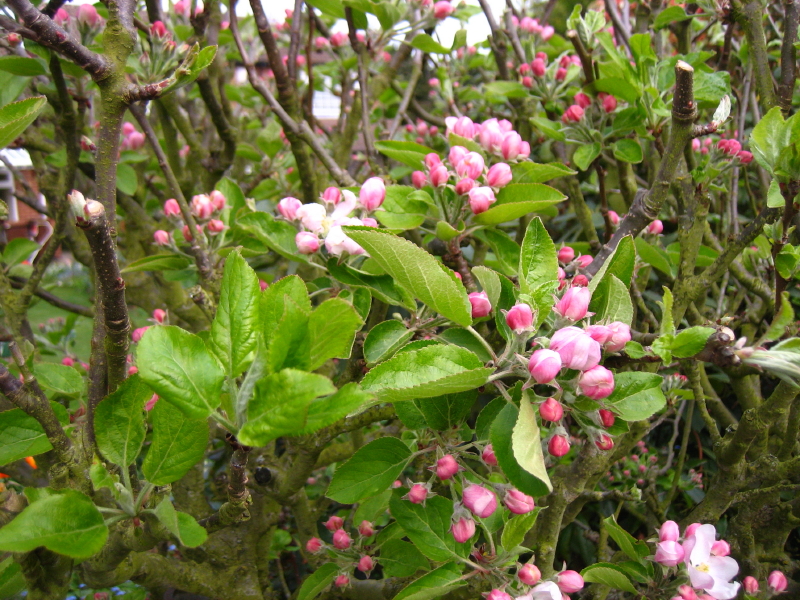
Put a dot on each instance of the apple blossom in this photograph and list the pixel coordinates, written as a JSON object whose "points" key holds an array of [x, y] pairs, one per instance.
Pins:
{"points": [[551, 410], [578, 351], [479, 500], [596, 383]]}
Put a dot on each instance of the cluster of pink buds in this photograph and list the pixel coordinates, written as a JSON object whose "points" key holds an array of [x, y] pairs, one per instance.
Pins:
{"points": [[422, 129], [705, 559], [131, 139], [88, 16], [325, 220], [183, 8], [563, 583], [443, 9], [532, 26], [204, 207]]}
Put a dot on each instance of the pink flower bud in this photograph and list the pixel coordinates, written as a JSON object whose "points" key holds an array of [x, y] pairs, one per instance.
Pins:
{"points": [[686, 592], [604, 442], [569, 582], [777, 582], [464, 127], [529, 574], [720, 548], [479, 500], [137, 334], [463, 529], [172, 208], [314, 545], [561, 74], [288, 208], [481, 306], [136, 139], [510, 146], [67, 361], [480, 199], [613, 217], [488, 456], [669, 554], [61, 17], [331, 195], [499, 175], [372, 193], [443, 9], [365, 564], [744, 157], [518, 503], [551, 410], [202, 207], [573, 114], [607, 418], [471, 165], [307, 242], [87, 15], [321, 42], [596, 383], [464, 186], [544, 365], [334, 523], [432, 160], [369, 222], [159, 315], [161, 237], [574, 303], [547, 32], [577, 350], [341, 581], [527, 81], [520, 318], [417, 494], [215, 226], [655, 227], [750, 585], [524, 69], [690, 530], [566, 254], [558, 445], [419, 180], [584, 261], [158, 29], [539, 67], [620, 335], [496, 594], [580, 280], [366, 529], [446, 467], [439, 175], [341, 539], [217, 199], [338, 39], [582, 100]]}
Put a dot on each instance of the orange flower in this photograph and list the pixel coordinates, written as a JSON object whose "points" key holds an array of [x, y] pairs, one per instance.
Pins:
{"points": [[31, 462]]}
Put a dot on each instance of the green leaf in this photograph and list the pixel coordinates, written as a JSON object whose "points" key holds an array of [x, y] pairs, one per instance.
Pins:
{"points": [[331, 8], [332, 328], [11, 579], [178, 444], [654, 256], [611, 301], [289, 345], [486, 417], [711, 87], [382, 287], [410, 154], [635, 549], [505, 249], [237, 322], [15, 117], [278, 235], [21, 435], [667, 323], [317, 581], [584, 156], [503, 213], [783, 318], [530, 172], [402, 559], [517, 527], [526, 444], [490, 282], [466, 339], [418, 272], [66, 522], [501, 436], [668, 16], [620, 264], [628, 150], [617, 87], [690, 341], [119, 422], [127, 181], [428, 526], [194, 62], [607, 573], [503, 90], [426, 373], [280, 405], [373, 508], [538, 261], [769, 138], [445, 412], [424, 42], [438, 582], [273, 301], [774, 195], [369, 471], [410, 415], [179, 368], [158, 262], [326, 411], [61, 380], [17, 250], [529, 192], [384, 340], [22, 65], [636, 395], [180, 524]]}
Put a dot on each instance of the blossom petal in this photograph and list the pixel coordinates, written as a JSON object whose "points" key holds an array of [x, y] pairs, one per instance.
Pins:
{"points": [[723, 568], [700, 579], [547, 590], [705, 536], [723, 590]]}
